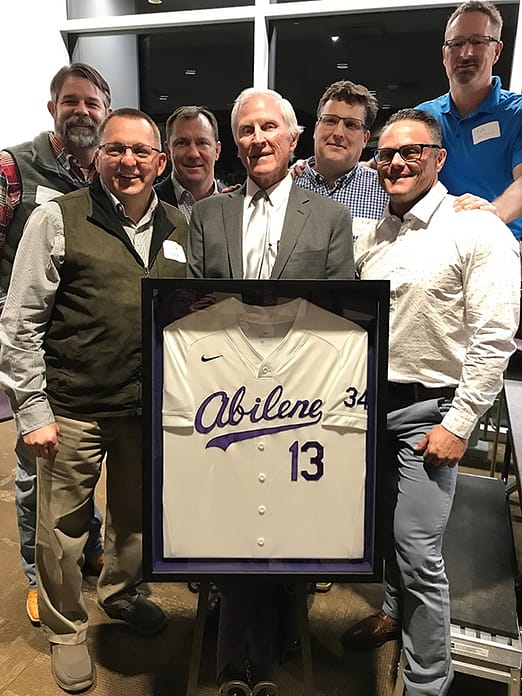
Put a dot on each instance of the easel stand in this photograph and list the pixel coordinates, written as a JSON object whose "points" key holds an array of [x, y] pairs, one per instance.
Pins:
{"points": [[199, 631]]}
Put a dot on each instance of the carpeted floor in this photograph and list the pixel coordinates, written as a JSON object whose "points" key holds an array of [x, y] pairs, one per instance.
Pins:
{"points": [[127, 665]]}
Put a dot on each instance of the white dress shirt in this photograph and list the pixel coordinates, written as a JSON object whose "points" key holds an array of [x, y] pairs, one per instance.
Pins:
{"points": [[277, 204], [454, 299]]}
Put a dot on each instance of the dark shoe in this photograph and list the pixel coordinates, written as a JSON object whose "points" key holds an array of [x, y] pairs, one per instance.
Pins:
{"points": [[213, 609], [265, 688], [138, 612], [371, 632], [322, 587], [235, 687], [72, 667]]}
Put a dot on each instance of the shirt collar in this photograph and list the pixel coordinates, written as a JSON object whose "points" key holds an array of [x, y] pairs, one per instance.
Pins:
{"points": [[423, 209], [489, 104], [67, 159], [180, 190], [278, 193], [318, 178]]}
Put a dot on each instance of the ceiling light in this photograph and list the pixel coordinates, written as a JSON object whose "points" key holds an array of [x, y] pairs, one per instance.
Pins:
{"points": [[334, 38], [155, 2], [342, 66], [190, 71], [163, 97]]}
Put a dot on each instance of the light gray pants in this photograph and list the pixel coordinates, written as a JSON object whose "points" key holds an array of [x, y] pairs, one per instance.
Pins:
{"points": [[416, 589], [65, 487]]}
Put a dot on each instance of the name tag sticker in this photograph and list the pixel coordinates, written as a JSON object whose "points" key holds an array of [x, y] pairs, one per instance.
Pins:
{"points": [[44, 194], [173, 251], [486, 131]]}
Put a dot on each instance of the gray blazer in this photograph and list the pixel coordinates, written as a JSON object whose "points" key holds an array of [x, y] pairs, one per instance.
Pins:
{"points": [[316, 240]]}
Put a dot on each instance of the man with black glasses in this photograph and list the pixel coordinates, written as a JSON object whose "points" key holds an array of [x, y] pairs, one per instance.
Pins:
{"points": [[345, 114], [70, 362], [454, 283], [481, 123]]}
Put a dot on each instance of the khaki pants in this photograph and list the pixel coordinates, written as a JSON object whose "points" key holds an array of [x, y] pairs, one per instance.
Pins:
{"points": [[66, 484]]}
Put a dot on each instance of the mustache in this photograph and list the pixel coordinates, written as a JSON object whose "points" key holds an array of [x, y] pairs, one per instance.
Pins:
{"points": [[80, 122]]}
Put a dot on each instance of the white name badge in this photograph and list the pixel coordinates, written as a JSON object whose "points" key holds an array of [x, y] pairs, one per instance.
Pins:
{"points": [[173, 251], [486, 131], [44, 194]]}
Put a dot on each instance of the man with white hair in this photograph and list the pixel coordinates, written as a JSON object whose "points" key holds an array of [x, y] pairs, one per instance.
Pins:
{"points": [[301, 235]]}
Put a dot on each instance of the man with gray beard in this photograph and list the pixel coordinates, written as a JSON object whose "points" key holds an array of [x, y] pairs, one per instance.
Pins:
{"points": [[32, 173]]}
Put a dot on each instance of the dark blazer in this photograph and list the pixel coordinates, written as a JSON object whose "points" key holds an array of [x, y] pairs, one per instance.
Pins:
{"points": [[165, 191], [316, 239]]}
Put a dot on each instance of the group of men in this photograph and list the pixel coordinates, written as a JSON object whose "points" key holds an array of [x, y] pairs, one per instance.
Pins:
{"points": [[70, 357]]}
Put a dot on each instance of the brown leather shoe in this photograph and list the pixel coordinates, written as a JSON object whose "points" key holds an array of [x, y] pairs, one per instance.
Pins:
{"points": [[371, 632]]}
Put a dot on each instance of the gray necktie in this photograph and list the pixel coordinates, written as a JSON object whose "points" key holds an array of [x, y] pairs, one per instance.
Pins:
{"points": [[256, 239]]}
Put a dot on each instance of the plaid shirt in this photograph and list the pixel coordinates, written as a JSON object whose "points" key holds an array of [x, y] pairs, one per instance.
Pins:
{"points": [[11, 185], [359, 189]]}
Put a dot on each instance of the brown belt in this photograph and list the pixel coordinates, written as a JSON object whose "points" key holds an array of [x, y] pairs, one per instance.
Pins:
{"points": [[414, 391]]}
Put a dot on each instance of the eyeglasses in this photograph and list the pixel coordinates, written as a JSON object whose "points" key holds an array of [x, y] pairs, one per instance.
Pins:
{"points": [[140, 151], [409, 153], [331, 121], [474, 40]]}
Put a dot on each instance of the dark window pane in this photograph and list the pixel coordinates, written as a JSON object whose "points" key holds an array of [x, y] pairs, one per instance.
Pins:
{"points": [[205, 65], [397, 54]]}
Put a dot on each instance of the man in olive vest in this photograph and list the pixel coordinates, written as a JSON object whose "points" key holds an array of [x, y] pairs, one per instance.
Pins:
{"points": [[32, 173], [70, 362]]}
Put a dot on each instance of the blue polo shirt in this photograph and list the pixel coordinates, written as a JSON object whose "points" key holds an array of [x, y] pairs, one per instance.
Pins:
{"points": [[483, 147]]}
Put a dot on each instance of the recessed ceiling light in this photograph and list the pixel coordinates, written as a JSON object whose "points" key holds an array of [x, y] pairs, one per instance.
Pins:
{"points": [[190, 71], [334, 38], [163, 97], [155, 2], [342, 66]]}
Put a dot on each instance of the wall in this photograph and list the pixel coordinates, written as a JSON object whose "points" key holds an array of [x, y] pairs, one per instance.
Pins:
{"points": [[32, 55]]}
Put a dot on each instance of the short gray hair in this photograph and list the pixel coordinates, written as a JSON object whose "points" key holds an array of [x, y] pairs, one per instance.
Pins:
{"points": [[418, 115]]}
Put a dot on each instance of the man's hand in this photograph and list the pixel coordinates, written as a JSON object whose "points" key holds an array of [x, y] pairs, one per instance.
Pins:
{"points": [[231, 188], [43, 442], [439, 447], [297, 168], [470, 202]]}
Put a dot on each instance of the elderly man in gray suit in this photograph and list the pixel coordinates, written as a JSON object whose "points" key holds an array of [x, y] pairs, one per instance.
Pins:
{"points": [[308, 236], [269, 228]]}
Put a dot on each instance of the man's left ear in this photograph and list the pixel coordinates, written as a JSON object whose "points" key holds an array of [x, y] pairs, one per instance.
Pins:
{"points": [[498, 51], [162, 163], [441, 158]]}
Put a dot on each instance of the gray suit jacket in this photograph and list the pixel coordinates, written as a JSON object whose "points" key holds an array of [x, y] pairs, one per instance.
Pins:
{"points": [[316, 240]]}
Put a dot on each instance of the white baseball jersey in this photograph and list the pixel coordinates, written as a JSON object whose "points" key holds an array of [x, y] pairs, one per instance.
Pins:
{"points": [[264, 424]]}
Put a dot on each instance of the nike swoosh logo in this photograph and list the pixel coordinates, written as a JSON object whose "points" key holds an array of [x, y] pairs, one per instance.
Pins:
{"points": [[205, 358]]}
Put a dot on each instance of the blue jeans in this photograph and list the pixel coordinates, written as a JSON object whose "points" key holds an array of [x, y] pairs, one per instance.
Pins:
{"points": [[416, 586], [25, 501]]}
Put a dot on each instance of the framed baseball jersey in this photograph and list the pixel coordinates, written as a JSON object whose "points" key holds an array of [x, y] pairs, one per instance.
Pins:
{"points": [[262, 424]]}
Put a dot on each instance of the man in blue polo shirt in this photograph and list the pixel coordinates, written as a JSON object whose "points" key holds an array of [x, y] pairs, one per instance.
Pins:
{"points": [[481, 123]]}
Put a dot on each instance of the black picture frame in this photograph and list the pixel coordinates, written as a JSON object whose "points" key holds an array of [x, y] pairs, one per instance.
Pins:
{"points": [[364, 302]]}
